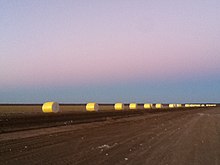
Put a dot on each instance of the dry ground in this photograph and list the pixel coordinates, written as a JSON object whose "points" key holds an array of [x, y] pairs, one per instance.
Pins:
{"points": [[179, 137]]}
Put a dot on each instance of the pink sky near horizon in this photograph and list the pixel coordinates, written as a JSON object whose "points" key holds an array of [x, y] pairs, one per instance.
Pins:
{"points": [[47, 43]]}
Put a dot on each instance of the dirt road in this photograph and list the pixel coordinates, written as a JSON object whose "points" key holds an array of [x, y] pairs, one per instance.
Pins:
{"points": [[181, 137]]}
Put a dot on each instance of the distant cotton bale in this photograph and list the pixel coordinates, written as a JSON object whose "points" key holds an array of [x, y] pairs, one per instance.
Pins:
{"points": [[172, 106], [179, 105], [187, 105], [50, 107], [148, 106], [159, 106], [119, 106], [92, 107], [132, 106]]}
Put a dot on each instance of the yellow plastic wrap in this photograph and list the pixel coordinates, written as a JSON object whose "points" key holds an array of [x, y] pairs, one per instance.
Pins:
{"points": [[50, 107], [159, 106], [133, 106], [119, 106], [148, 106], [92, 107], [172, 105]]}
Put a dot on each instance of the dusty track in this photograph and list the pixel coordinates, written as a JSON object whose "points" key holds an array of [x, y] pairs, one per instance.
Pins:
{"points": [[181, 137]]}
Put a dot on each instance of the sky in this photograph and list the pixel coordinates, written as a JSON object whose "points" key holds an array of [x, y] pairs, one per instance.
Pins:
{"points": [[77, 51]]}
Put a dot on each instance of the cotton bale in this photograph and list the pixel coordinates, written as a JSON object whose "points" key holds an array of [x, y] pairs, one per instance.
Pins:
{"points": [[148, 106], [119, 106], [92, 107], [179, 105], [133, 106], [187, 105], [172, 105], [159, 106], [50, 107]]}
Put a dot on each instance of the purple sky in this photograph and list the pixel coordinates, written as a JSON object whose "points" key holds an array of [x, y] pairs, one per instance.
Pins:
{"points": [[88, 45]]}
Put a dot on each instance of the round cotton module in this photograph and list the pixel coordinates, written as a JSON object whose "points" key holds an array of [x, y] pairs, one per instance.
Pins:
{"points": [[133, 106], [148, 106], [172, 105], [179, 105], [187, 105], [159, 106], [92, 107], [50, 107], [119, 106]]}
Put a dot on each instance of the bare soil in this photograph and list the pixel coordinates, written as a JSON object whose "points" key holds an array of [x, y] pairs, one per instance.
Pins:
{"points": [[169, 137]]}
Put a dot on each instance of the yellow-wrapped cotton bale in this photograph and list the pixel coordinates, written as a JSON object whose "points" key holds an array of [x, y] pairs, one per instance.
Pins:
{"points": [[179, 105], [159, 106], [187, 105], [92, 107], [119, 106], [172, 105], [148, 106], [50, 107], [133, 106]]}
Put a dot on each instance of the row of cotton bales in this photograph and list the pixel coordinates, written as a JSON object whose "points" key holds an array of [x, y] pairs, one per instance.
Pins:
{"points": [[53, 107], [194, 105], [175, 105], [199, 105], [159, 106], [210, 105]]}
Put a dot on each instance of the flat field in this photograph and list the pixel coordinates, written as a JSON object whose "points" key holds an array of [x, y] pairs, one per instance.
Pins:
{"points": [[181, 136]]}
